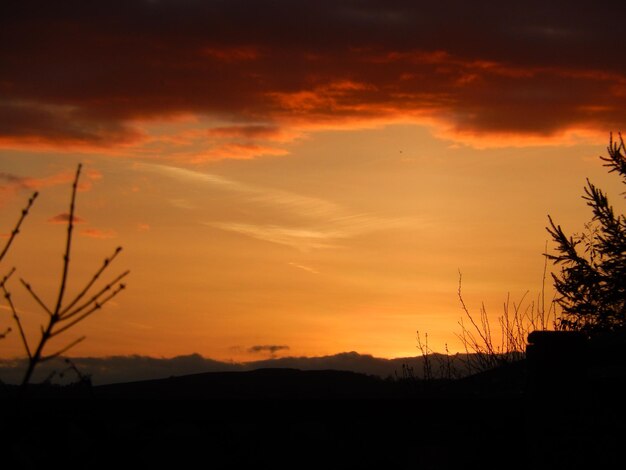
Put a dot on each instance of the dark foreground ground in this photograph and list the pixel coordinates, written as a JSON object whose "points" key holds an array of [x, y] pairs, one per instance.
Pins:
{"points": [[318, 419]]}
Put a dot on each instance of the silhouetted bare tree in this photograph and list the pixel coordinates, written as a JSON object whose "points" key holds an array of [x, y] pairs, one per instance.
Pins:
{"points": [[65, 312]]}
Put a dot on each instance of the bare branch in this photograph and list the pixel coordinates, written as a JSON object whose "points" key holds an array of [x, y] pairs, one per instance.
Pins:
{"points": [[16, 317], [484, 338], [5, 333], [107, 262], [68, 244], [35, 296], [16, 230], [96, 306], [6, 278], [74, 311], [94, 298]]}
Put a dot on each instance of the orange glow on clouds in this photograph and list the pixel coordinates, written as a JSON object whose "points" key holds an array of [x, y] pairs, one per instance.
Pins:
{"points": [[273, 185], [276, 84]]}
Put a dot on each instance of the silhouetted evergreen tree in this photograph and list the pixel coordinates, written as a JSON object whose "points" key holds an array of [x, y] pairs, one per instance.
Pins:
{"points": [[592, 282]]}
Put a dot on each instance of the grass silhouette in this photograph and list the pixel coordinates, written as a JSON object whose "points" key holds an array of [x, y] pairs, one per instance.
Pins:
{"points": [[488, 346]]}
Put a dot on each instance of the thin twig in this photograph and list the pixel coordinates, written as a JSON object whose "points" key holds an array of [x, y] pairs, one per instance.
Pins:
{"points": [[94, 298], [543, 288], [68, 244], [97, 306], [107, 262], [476, 327], [6, 278], [427, 373], [35, 296], [5, 332], [16, 317], [16, 230]]}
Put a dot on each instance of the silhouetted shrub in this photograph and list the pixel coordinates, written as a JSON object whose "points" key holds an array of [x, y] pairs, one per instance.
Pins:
{"points": [[489, 346]]}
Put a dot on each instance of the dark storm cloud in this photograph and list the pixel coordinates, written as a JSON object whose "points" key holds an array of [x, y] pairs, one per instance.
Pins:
{"points": [[84, 72]]}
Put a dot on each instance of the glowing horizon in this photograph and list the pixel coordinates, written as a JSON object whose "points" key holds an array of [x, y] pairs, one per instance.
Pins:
{"points": [[272, 185]]}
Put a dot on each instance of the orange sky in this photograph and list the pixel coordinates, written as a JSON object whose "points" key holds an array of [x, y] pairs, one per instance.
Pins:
{"points": [[273, 185]]}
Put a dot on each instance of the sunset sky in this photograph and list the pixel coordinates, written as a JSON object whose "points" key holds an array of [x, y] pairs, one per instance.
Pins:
{"points": [[309, 175]]}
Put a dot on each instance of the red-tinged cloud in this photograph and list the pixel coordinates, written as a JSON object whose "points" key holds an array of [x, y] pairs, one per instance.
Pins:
{"points": [[99, 234], [11, 184], [64, 218], [11, 181], [47, 126], [98, 75], [238, 151], [253, 133], [65, 177]]}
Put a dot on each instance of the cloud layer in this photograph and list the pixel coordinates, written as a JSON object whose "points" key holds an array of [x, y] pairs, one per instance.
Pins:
{"points": [[97, 74]]}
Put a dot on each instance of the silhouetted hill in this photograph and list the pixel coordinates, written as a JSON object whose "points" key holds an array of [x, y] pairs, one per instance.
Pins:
{"points": [[285, 383], [249, 418], [280, 383], [283, 418], [117, 369]]}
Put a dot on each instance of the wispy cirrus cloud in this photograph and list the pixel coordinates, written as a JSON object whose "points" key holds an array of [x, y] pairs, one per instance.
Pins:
{"points": [[525, 73], [98, 234], [295, 203], [314, 223], [301, 238], [304, 268]]}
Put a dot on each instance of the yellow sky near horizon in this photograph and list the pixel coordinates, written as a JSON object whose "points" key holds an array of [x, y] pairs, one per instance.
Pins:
{"points": [[352, 242], [308, 177]]}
